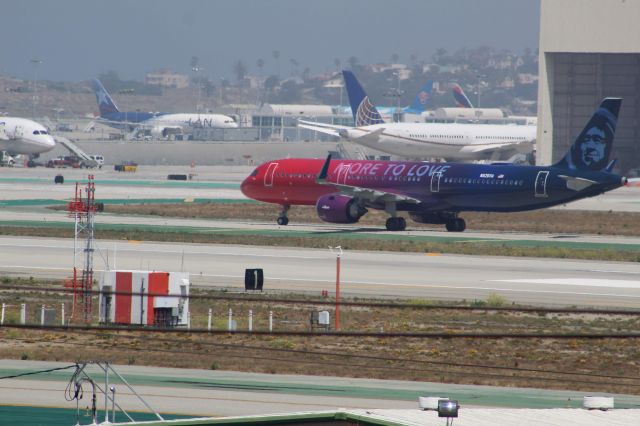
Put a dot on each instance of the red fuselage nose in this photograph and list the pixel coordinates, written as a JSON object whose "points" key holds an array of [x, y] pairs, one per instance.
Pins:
{"points": [[248, 187]]}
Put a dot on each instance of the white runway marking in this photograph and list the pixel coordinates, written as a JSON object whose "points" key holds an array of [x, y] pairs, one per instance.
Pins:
{"points": [[583, 282]]}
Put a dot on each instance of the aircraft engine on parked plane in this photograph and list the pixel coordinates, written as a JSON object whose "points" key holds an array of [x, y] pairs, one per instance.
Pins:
{"points": [[165, 131], [337, 208]]}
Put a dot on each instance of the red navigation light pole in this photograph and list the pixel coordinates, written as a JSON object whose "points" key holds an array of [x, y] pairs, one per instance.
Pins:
{"points": [[83, 210]]}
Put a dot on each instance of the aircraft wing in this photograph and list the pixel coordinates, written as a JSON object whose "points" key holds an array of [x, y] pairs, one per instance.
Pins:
{"points": [[523, 147], [368, 194], [577, 183], [372, 195], [329, 129], [325, 130]]}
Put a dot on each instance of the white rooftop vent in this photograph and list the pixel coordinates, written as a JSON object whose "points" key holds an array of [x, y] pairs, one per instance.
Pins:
{"points": [[603, 403], [430, 402]]}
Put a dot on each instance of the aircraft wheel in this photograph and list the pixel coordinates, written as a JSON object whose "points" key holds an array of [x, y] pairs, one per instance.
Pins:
{"points": [[283, 220], [396, 224], [456, 225]]}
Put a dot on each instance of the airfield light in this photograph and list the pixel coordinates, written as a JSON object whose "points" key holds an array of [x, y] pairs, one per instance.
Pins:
{"points": [[448, 409]]}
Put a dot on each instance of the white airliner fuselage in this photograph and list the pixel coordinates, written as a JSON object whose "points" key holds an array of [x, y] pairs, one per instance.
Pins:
{"points": [[451, 141], [22, 136], [197, 120]]}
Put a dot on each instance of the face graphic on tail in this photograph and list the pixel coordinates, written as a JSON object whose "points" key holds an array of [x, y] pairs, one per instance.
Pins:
{"points": [[592, 148]]}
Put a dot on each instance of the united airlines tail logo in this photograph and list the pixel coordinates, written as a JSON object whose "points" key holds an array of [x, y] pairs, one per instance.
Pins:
{"points": [[367, 114]]}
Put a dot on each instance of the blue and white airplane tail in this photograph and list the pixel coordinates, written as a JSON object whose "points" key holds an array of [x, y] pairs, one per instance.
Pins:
{"points": [[461, 99], [105, 103], [419, 104], [364, 112], [592, 148]]}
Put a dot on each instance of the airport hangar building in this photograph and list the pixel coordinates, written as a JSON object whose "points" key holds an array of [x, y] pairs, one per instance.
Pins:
{"points": [[589, 49]]}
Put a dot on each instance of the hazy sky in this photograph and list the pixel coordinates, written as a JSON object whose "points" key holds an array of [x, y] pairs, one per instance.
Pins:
{"points": [[77, 39]]}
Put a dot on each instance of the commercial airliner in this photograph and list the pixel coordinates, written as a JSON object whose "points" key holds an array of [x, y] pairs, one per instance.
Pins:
{"points": [[19, 136], [451, 141], [436, 193], [160, 124]]}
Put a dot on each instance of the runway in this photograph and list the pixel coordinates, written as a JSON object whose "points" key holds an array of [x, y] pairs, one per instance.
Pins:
{"points": [[553, 282]]}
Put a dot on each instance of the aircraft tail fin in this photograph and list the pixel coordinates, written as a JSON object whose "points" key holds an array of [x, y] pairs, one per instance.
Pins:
{"points": [[461, 98], [364, 112], [420, 101], [105, 103], [592, 148]]}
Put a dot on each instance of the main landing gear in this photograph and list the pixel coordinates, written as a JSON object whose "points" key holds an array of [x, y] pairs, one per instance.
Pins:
{"points": [[396, 224], [456, 225], [282, 218]]}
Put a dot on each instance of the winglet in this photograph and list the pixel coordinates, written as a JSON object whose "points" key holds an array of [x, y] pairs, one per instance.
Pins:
{"points": [[322, 177], [611, 165]]}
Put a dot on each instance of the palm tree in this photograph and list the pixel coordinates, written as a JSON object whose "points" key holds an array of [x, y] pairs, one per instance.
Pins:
{"points": [[240, 70], [294, 66], [394, 58], [337, 63], [276, 55], [260, 65], [353, 62]]}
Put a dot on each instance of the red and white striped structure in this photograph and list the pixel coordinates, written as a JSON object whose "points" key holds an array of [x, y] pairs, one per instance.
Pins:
{"points": [[142, 302]]}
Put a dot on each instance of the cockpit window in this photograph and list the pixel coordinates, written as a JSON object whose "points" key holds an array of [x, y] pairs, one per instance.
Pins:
{"points": [[255, 173], [44, 132], [36, 132]]}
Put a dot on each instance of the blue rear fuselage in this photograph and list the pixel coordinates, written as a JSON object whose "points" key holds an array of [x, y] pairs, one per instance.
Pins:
{"points": [[458, 187]]}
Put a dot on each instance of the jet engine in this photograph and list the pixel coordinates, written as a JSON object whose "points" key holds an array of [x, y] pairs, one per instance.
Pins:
{"points": [[337, 208], [165, 131]]}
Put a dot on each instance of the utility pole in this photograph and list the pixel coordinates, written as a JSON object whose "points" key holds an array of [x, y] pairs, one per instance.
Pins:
{"points": [[35, 63], [338, 252]]}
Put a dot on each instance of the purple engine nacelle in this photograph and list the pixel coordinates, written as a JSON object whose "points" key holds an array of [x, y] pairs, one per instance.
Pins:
{"points": [[337, 208]]}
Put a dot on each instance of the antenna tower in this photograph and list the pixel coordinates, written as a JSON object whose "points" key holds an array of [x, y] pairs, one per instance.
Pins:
{"points": [[83, 210]]}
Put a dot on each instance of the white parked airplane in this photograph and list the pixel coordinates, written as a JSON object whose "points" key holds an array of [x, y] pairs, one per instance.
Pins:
{"points": [[21, 136], [160, 124], [452, 141]]}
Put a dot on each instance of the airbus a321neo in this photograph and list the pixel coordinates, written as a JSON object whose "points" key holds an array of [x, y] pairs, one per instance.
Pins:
{"points": [[343, 190]]}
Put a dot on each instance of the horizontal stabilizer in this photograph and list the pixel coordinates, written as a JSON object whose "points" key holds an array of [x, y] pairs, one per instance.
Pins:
{"points": [[577, 183]]}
